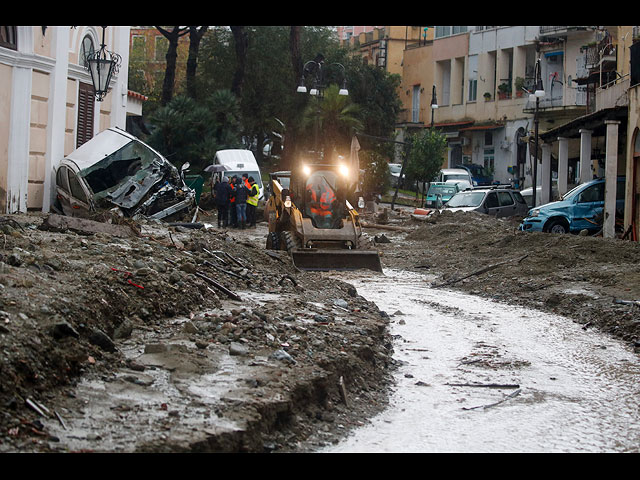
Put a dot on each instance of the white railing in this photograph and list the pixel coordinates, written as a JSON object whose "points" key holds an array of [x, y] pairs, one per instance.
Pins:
{"points": [[613, 94]]}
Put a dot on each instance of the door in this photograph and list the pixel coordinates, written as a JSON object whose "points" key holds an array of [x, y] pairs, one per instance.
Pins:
{"points": [[492, 204], [588, 206], [507, 204]]}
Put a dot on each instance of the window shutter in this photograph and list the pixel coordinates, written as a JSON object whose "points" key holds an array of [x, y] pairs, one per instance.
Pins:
{"points": [[85, 114]]}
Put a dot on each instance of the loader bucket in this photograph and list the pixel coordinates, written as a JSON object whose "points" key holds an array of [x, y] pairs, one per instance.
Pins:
{"points": [[329, 259]]}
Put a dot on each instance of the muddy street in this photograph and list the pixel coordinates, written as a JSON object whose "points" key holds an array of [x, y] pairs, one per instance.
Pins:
{"points": [[482, 376], [500, 340]]}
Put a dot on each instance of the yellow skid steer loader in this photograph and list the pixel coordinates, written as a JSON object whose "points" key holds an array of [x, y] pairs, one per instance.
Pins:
{"points": [[314, 220]]}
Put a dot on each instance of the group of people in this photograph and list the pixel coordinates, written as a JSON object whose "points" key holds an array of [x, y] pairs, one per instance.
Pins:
{"points": [[237, 201]]}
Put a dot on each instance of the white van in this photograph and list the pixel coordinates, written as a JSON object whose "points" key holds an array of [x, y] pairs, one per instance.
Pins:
{"points": [[237, 162]]}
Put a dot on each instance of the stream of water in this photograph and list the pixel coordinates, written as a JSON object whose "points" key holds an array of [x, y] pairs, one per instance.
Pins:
{"points": [[481, 376]]}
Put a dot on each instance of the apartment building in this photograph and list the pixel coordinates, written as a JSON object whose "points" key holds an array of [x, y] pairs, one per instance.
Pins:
{"points": [[47, 107], [482, 77]]}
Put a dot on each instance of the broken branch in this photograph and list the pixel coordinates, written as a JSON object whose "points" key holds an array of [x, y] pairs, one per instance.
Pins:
{"points": [[479, 272]]}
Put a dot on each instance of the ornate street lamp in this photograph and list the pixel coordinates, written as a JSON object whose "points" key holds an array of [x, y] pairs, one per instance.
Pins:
{"points": [[102, 64]]}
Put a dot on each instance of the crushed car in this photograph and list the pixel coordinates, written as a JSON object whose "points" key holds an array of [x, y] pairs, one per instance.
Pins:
{"points": [[116, 170]]}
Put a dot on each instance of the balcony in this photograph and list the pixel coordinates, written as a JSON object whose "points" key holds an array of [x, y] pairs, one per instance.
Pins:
{"points": [[613, 94], [563, 30]]}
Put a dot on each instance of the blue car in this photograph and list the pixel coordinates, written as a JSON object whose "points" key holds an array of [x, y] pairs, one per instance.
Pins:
{"points": [[575, 211]]}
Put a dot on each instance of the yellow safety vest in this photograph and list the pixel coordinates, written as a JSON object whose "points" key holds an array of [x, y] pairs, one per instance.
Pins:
{"points": [[254, 199]]}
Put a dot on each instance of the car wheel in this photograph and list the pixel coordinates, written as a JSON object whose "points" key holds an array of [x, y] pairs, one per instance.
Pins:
{"points": [[557, 226]]}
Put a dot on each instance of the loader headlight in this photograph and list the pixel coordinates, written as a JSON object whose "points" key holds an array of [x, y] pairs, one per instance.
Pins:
{"points": [[287, 202], [344, 171], [306, 170]]}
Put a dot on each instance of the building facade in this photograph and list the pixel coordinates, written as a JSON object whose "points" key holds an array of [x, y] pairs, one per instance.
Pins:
{"points": [[47, 107]]}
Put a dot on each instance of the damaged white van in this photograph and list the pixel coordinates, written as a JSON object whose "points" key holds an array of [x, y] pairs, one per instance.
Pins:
{"points": [[115, 169]]}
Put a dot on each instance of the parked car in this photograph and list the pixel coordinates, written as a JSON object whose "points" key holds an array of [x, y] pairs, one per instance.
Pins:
{"points": [[447, 174], [499, 201], [115, 169], [479, 174], [440, 193], [576, 210]]}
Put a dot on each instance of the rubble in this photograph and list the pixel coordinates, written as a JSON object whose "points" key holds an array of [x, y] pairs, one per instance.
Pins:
{"points": [[90, 318]]}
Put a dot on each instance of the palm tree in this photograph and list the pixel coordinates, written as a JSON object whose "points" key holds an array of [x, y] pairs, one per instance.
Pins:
{"points": [[336, 119]]}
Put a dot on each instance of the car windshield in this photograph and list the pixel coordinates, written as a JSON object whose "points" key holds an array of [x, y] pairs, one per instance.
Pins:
{"points": [[441, 190], [456, 177], [466, 199], [112, 170], [571, 193], [395, 168]]}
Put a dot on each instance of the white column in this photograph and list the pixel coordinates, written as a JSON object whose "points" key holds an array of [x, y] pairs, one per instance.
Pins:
{"points": [[563, 165], [610, 182], [57, 112], [585, 156], [545, 194]]}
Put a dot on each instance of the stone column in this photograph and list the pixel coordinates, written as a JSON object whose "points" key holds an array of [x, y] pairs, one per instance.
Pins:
{"points": [[585, 156], [545, 194], [563, 165], [610, 182]]}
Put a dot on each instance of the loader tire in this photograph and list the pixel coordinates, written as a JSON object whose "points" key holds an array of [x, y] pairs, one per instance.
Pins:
{"points": [[273, 241], [289, 241]]}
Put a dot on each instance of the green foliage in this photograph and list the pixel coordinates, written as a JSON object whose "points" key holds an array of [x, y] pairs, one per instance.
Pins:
{"points": [[187, 131], [376, 173], [336, 117], [428, 150]]}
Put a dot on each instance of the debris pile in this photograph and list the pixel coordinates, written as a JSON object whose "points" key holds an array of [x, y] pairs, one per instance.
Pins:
{"points": [[88, 301]]}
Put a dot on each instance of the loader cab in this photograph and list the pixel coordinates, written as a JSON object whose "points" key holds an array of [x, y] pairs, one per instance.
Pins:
{"points": [[322, 191]]}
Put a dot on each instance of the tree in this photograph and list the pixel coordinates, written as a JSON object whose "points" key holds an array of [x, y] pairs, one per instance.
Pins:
{"points": [[173, 36], [241, 45], [195, 37], [425, 157]]}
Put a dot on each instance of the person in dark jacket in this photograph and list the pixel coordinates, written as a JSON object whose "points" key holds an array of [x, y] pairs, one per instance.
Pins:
{"points": [[223, 197], [232, 204], [241, 193]]}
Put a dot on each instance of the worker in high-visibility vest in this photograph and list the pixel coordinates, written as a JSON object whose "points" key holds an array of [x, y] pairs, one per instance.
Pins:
{"points": [[252, 201], [321, 203]]}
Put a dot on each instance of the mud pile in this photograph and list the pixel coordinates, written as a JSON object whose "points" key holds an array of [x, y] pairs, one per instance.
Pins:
{"points": [[104, 335], [592, 280]]}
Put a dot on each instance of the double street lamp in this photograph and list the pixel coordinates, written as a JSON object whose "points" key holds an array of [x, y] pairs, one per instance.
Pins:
{"points": [[102, 64], [317, 69]]}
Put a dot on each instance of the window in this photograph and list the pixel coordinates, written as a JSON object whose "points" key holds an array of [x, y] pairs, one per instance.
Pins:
{"points": [[594, 193], [488, 159], [492, 200], [505, 199], [86, 106], [473, 78], [61, 179], [415, 104], [86, 49], [488, 137], [76, 188], [8, 37], [162, 45]]}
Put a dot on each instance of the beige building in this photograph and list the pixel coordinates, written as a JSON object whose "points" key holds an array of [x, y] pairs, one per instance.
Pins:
{"points": [[47, 106]]}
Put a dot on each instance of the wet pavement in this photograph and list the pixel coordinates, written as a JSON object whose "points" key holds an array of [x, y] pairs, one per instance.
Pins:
{"points": [[481, 376]]}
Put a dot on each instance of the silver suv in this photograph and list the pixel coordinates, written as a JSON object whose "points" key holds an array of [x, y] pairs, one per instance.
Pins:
{"points": [[498, 200]]}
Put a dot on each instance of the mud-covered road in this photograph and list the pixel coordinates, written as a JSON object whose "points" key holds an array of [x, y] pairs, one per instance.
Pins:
{"points": [[123, 344]]}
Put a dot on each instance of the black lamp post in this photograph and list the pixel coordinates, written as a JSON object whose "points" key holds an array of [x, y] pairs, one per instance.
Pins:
{"points": [[102, 64], [538, 93], [434, 103]]}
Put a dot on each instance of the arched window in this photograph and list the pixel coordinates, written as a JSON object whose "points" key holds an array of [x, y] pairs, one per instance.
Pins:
{"points": [[8, 37], [86, 49]]}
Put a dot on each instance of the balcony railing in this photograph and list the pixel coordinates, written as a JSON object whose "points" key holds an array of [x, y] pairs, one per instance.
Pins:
{"points": [[546, 30]]}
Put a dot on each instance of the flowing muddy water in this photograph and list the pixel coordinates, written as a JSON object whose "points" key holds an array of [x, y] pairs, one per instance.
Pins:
{"points": [[480, 376]]}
